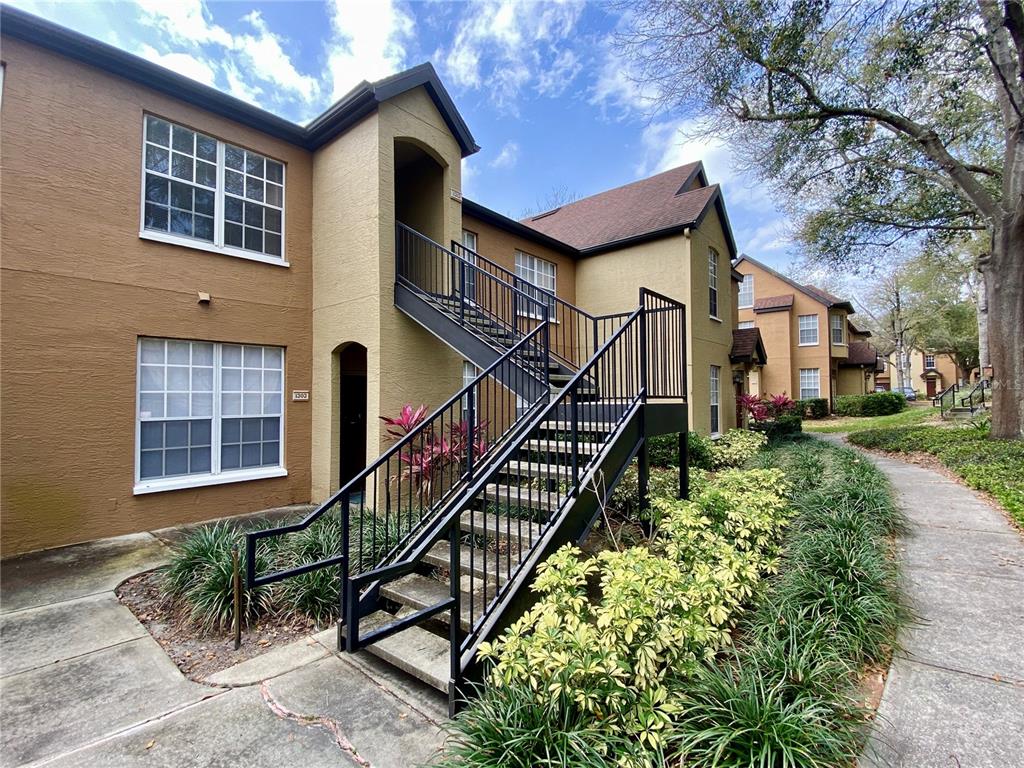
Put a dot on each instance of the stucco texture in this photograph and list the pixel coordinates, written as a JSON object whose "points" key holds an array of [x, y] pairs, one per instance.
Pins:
{"points": [[80, 286]]}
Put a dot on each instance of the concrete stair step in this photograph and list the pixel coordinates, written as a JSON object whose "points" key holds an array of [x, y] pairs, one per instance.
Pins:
{"points": [[414, 650], [499, 527], [561, 446], [418, 592], [491, 566], [531, 498], [537, 469], [603, 427]]}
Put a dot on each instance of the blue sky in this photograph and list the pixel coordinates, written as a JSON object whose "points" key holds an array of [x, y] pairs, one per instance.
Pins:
{"points": [[539, 83]]}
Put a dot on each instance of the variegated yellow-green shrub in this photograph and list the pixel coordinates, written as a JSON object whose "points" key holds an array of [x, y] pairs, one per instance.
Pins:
{"points": [[735, 447], [661, 608]]}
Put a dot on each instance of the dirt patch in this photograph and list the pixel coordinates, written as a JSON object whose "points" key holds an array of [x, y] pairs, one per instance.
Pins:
{"points": [[200, 655], [870, 686]]}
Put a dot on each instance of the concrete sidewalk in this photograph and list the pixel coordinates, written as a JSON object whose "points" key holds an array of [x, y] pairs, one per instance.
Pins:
{"points": [[82, 683], [955, 694]]}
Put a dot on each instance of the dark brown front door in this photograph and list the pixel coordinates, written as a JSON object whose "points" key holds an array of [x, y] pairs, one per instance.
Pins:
{"points": [[930, 386], [739, 407], [353, 426]]}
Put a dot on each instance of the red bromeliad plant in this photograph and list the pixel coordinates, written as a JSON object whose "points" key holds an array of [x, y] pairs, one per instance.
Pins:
{"points": [[433, 455], [767, 407]]}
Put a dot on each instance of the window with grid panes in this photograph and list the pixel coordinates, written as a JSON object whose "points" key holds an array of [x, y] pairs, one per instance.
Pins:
{"points": [[199, 189]]}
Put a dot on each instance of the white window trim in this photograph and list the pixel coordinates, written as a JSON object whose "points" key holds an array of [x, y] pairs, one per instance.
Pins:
{"points": [[745, 325], [712, 394], [740, 293], [553, 291], [218, 207], [817, 332], [800, 384], [934, 361], [842, 331], [713, 284], [215, 476]]}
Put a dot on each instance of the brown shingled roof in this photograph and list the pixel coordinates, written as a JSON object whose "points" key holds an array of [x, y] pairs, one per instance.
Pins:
{"points": [[641, 208], [860, 353], [774, 303], [747, 346]]}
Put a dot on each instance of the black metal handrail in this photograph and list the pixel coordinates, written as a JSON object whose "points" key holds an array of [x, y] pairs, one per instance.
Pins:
{"points": [[408, 483], [605, 391], [575, 333], [478, 300], [946, 395], [975, 399]]}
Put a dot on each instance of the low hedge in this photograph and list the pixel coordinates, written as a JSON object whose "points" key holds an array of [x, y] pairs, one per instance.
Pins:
{"points": [[813, 407], [874, 404], [993, 466]]}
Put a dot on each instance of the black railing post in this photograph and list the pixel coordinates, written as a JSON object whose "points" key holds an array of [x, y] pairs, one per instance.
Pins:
{"points": [[575, 418], [643, 345], [547, 350], [455, 625], [462, 291], [349, 602], [470, 431], [684, 463]]}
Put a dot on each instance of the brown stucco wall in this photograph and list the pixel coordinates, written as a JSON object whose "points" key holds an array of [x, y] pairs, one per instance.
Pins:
{"points": [[79, 286]]}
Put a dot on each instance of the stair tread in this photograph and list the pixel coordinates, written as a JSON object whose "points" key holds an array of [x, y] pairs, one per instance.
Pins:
{"points": [[414, 650], [418, 592], [537, 469], [562, 446], [582, 426], [499, 526], [484, 567], [530, 497]]}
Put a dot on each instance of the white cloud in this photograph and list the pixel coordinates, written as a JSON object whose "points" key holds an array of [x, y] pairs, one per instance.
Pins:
{"points": [[185, 21], [237, 84], [369, 42], [507, 157], [265, 51], [470, 175], [671, 143], [619, 88], [502, 45], [186, 64]]}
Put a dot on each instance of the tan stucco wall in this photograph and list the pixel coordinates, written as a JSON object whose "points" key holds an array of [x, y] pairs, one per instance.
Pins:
{"points": [[851, 381], [79, 286], [779, 331], [353, 288], [677, 267]]}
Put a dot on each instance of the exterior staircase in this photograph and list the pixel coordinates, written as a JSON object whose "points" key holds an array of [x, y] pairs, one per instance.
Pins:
{"points": [[956, 402], [442, 534]]}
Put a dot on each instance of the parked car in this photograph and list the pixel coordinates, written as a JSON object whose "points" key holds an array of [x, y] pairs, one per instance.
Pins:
{"points": [[908, 392]]}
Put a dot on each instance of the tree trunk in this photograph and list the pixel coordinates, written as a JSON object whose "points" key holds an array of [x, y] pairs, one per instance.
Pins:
{"points": [[1005, 293], [981, 302]]}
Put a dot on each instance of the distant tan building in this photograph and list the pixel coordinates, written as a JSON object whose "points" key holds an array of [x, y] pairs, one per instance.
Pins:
{"points": [[200, 312], [813, 350], [929, 372]]}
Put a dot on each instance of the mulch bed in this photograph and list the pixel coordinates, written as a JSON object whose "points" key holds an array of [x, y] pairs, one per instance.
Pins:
{"points": [[200, 655]]}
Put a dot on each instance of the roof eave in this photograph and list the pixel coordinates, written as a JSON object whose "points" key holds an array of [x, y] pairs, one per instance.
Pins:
{"points": [[339, 117], [802, 288], [511, 225]]}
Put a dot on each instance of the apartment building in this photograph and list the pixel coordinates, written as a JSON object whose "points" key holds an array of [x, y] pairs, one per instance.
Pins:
{"points": [[813, 349], [200, 310], [929, 372]]}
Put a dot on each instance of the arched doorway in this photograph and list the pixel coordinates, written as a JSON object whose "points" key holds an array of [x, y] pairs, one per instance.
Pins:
{"points": [[419, 189], [350, 360]]}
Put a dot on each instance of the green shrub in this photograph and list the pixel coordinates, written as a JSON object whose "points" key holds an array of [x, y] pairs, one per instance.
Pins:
{"points": [[625, 499], [781, 426], [993, 466], [736, 447], [874, 404], [663, 450], [813, 407]]}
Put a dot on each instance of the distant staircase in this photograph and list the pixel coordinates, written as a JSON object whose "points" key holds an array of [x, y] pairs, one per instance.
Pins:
{"points": [[956, 402], [441, 535]]}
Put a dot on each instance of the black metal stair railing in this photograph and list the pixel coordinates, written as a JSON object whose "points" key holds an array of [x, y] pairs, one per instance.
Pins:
{"points": [[946, 399], [394, 499], [975, 399], [575, 333], [645, 358]]}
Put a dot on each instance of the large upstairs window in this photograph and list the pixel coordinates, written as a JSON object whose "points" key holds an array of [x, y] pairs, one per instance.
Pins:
{"points": [[540, 274], [208, 194], [746, 297], [713, 283], [807, 326]]}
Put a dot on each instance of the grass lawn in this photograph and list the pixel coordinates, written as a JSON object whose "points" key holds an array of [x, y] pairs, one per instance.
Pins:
{"points": [[912, 416]]}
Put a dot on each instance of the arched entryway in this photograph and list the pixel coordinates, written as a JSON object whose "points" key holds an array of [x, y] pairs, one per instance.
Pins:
{"points": [[419, 189], [350, 364]]}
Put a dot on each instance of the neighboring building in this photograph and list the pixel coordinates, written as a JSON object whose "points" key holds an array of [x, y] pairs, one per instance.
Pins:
{"points": [[813, 350], [199, 298], [929, 372]]}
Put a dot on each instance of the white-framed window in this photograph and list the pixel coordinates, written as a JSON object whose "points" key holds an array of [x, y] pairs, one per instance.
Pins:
{"points": [[838, 329], [469, 374], [929, 361], [205, 193], [712, 282], [745, 324], [810, 383], [469, 240], [716, 408], [807, 326], [540, 274], [746, 298], [207, 413]]}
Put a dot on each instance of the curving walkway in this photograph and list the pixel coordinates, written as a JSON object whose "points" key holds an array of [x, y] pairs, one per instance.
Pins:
{"points": [[954, 697]]}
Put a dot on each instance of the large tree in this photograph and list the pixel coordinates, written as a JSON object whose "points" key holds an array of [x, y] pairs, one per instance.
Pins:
{"points": [[879, 122]]}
